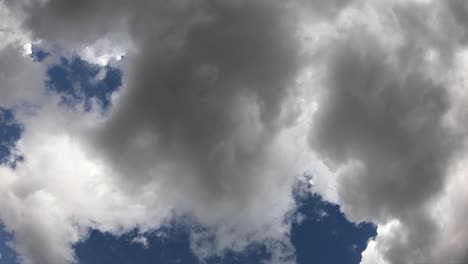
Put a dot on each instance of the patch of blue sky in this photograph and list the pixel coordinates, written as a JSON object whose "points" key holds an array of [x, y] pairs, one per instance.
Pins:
{"points": [[7, 253], [167, 245], [170, 244], [323, 236], [80, 82], [38, 54], [10, 133]]}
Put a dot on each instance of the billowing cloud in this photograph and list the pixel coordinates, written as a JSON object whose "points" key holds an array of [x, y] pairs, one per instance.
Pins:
{"points": [[204, 125], [388, 121], [223, 102]]}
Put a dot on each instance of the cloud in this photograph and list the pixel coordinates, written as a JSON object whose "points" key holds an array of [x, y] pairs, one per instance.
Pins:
{"points": [[143, 241], [49, 201], [201, 118], [21, 79], [224, 102], [388, 123], [204, 124]]}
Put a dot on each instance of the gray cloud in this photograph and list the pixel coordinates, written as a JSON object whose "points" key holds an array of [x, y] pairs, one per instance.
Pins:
{"points": [[190, 98], [20, 78], [210, 92], [202, 111], [383, 119], [390, 121]]}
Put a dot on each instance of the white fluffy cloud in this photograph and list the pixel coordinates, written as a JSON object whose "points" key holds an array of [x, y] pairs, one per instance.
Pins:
{"points": [[60, 191]]}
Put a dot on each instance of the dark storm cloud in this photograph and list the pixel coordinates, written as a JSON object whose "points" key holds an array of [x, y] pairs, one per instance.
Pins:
{"points": [[202, 71], [188, 98], [389, 120], [384, 114]]}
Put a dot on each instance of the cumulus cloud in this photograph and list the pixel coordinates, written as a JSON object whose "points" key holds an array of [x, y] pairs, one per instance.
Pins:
{"points": [[204, 124], [389, 125], [49, 202], [223, 102], [388, 122]]}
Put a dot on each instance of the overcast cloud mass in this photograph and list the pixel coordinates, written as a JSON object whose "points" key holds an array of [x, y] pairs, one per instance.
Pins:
{"points": [[223, 104]]}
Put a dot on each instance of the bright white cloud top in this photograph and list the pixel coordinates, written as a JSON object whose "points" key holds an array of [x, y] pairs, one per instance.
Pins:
{"points": [[223, 103]]}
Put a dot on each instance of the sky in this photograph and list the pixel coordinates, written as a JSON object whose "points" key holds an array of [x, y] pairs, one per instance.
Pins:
{"points": [[220, 131], [320, 233]]}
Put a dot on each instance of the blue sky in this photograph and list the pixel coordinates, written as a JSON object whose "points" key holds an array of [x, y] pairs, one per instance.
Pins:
{"points": [[323, 234]]}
